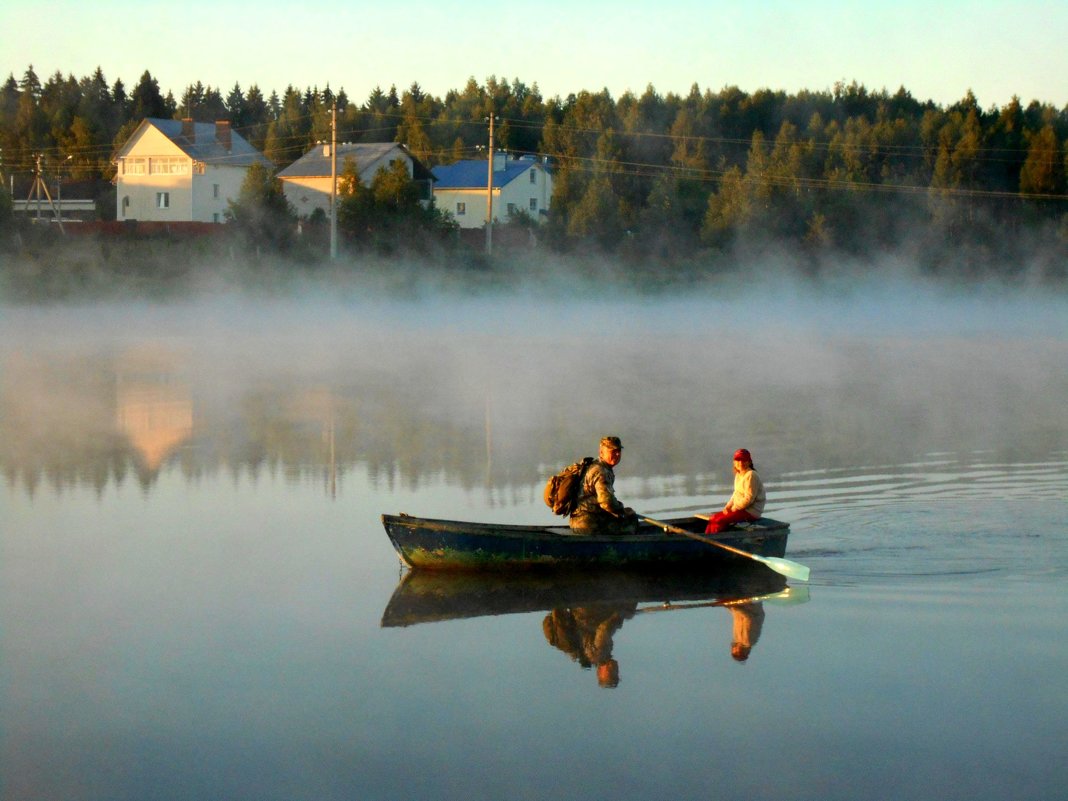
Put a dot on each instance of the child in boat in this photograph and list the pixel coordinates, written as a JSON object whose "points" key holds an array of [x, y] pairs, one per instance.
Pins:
{"points": [[747, 502]]}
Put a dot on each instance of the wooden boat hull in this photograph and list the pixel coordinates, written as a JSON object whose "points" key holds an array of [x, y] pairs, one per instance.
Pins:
{"points": [[456, 545]]}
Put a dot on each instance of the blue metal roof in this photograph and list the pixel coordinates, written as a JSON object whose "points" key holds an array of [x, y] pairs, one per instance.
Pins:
{"points": [[471, 174]]}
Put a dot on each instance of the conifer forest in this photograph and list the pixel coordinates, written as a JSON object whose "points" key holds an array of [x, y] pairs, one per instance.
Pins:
{"points": [[652, 179]]}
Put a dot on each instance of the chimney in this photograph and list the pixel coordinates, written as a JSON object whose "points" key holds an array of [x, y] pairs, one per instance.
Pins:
{"points": [[189, 130], [500, 160], [222, 134]]}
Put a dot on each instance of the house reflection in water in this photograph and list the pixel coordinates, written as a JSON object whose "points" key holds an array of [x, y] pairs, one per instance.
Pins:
{"points": [[154, 405]]}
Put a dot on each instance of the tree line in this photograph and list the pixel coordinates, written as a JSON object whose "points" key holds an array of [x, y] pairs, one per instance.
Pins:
{"points": [[648, 175]]}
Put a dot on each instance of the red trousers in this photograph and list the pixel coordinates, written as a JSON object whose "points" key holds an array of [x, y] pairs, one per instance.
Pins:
{"points": [[720, 521]]}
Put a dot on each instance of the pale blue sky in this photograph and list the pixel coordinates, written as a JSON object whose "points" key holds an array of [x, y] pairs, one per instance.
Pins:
{"points": [[936, 50]]}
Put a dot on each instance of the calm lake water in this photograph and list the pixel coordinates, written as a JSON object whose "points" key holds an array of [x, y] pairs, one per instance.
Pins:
{"points": [[198, 601]]}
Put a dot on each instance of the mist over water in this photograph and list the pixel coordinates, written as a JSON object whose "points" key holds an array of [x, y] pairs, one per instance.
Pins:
{"points": [[807, 377], [194, 578]]}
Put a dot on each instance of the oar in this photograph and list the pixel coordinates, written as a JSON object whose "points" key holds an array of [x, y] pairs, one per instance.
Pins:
{"points": [[782, 566], [787, 596]]}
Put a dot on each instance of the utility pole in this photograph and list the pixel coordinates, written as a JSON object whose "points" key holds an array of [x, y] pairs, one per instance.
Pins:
{"points": [[489, 193], [59, 192], [333, 183], [38, 186]]}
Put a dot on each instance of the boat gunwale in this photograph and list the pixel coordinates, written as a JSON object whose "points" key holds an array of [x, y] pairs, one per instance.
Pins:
{"points": [[771, 527]]}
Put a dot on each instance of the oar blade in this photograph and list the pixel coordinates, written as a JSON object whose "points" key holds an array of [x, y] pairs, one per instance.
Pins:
{"points": [[785, 567], [793, 595]]}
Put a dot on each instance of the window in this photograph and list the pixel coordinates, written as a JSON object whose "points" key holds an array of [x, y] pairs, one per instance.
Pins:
{"points": [[215, 217], [133, 166], [511, 209], [214, 190], [163, 200], [168, 165], [461, 209], [533, 204], [533, 176]]}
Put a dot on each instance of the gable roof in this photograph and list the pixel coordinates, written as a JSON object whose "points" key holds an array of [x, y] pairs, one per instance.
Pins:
{"points": [[204, 146], [316, 162], [471, 173]]}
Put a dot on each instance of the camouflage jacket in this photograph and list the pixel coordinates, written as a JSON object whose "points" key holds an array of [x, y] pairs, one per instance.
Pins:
{"points": [[597, 494]]}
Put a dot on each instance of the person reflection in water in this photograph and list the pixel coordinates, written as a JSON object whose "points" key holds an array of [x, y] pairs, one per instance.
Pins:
{"points": [[585, 634], [748, 621]]}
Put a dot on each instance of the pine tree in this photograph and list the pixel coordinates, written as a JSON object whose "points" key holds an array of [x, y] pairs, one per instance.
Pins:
{"points": [[146, 100], [1043, 171]]}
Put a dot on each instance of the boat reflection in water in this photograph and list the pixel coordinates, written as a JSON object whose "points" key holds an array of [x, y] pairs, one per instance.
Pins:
{"points": [[585, 610]]}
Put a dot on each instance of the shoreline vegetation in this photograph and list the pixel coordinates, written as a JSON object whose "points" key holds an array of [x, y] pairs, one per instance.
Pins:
{"points": [[650, 190], [48, 269]]}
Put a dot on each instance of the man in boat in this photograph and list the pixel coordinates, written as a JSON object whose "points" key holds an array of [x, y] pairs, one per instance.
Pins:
{"points": [[747, 502], [597, 510]]}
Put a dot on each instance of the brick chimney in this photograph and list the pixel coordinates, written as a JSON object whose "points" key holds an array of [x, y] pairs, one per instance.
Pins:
{"points": [[222, 134], [189, 129]]}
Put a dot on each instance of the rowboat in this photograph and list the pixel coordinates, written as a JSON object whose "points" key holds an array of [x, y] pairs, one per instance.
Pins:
{"points": [[426, 543], [434, 596]]}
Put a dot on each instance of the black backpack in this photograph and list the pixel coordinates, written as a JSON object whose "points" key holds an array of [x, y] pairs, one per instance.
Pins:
{"points": [[561, 490]]}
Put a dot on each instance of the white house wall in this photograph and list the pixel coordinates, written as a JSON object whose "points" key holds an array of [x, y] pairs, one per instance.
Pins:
{"points": [[520, 192], [192, 197], [152, 141], [213, 190], [307, 194], [137, 197], [474, 200], [136, 193]]}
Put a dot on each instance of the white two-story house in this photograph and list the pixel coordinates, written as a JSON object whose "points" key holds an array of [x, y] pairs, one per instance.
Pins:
{"points": [[181, 171], [519, 184], [306, 182]]}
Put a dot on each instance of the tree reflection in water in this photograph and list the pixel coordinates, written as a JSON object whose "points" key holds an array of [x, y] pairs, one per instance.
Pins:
{"points": [[412, 406]]}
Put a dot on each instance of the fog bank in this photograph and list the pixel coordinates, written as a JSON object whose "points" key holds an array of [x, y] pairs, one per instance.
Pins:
{"points": [[494, 387]]}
